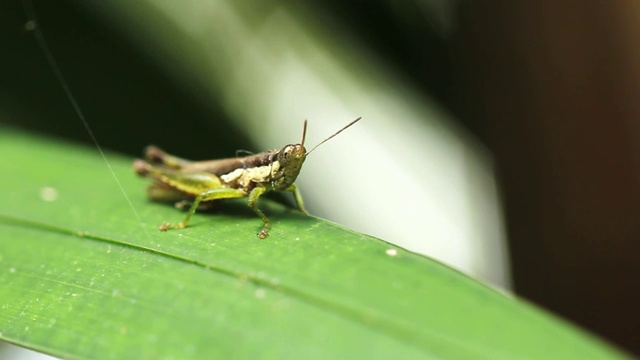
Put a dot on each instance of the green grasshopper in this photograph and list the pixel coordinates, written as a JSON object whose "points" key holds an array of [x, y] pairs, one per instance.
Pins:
{"points": [[177, 179]]}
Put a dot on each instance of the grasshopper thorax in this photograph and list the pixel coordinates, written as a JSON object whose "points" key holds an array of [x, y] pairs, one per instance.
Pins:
{"points": [[289, 162]]}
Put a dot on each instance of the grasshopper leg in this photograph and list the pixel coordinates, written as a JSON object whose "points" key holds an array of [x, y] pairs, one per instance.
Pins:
{"points": [[155, 155], [183, 204], [174, 185], [296, 193], [204, 186], [159, 191], [253, 200], [208, 195], [172, 180]]}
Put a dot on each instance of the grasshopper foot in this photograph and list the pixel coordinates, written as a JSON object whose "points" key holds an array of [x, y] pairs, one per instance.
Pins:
{"points": [[265, 231], [167, 226]]}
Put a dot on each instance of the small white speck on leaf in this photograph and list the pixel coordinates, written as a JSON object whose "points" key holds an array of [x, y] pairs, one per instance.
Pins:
{"points": [[48, 194], [260, 293], [391, 252]]}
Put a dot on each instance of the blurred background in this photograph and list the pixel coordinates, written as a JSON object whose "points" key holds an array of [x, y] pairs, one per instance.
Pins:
{"points": [[498, 137]]}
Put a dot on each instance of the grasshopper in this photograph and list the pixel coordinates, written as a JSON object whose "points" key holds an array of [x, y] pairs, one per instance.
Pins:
{"points": [[181, 180]]}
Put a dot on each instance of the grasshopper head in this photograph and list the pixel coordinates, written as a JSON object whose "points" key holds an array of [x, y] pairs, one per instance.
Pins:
{"points": [[290, 159]]}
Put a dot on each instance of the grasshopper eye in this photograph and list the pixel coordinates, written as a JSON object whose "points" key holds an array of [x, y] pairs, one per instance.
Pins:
{"points": [[290, 153], [286, 152]]}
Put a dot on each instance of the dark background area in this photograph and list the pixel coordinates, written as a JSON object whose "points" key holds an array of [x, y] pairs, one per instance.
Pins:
{"points": [[94, 59], [551, 88]]}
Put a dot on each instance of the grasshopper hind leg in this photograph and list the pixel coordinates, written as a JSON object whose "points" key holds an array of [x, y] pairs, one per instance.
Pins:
{"points": [[171, 185], [155, 155], [158, 191], [208, 195]]}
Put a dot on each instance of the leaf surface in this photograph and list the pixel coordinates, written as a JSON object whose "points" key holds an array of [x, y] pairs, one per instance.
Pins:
{"points": [[86, 273]]}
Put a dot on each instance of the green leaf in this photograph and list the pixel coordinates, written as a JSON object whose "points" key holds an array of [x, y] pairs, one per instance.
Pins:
{"points": [[86, 273]]}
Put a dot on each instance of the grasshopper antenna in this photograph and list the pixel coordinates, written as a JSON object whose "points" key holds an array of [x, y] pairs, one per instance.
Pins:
{"points": [[330, 137], [32, 25], [304, 132]]}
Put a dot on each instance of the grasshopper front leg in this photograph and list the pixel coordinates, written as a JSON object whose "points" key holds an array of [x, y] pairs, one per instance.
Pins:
{"points": [[253, 200], [296, 193], [254, 195]]}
